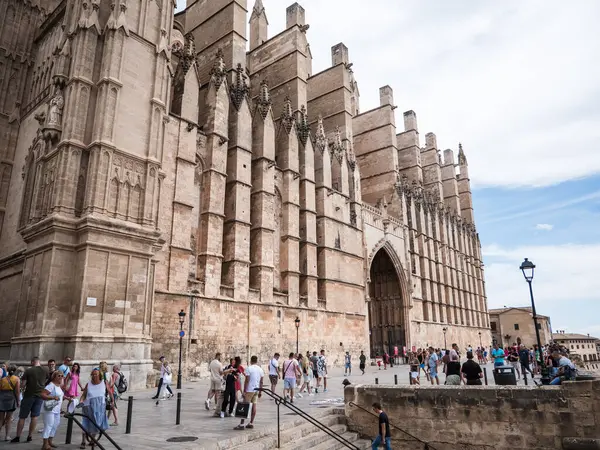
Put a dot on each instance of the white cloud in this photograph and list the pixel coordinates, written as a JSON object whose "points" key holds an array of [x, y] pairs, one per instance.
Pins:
{"points": [[544, 227]]}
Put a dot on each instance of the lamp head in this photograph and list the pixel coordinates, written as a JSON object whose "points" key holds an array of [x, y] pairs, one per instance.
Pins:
{"points": [[297, 322], [527, 267], [181, 316]]}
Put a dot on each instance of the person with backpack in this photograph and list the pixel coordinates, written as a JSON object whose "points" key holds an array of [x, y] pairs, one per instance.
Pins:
{"points": [[111, 384]]}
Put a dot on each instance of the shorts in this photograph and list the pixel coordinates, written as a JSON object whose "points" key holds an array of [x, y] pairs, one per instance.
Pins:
{"points": [[315, 374], [216, 385], [433, 372], [251, 397], [362, 366], [348, 366], [306, 377], [274, 379], [289, 383], [322, 374], [414, 375], [31, 405], [422, 366]]}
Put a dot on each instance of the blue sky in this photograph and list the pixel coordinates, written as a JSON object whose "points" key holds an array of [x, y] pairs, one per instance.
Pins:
{"points": [[518, 83]]}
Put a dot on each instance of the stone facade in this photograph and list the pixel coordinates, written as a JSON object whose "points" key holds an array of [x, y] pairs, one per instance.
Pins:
{"points": [[509, 324], [482, 417], [151, 163]]}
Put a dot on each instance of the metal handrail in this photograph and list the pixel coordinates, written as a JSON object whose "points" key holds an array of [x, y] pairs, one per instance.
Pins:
{"points": [[428, 446], [281, 401], [96, 442]]}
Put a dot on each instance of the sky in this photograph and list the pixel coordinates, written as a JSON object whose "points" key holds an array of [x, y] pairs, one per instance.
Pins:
{"points": [[518, 84]]}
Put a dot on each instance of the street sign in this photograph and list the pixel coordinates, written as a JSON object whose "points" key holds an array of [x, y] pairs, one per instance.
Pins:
{"points": [[181, 333]]}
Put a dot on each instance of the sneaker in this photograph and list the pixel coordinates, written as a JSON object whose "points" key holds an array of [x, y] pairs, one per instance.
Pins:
{"points": [[316, 391], [155, 397], [29, 438], [222, 415], [324, 390], [239, 427], [207, 405], [229, 414], [311, 394], [15, 440], [170, 395], [299, 395]]}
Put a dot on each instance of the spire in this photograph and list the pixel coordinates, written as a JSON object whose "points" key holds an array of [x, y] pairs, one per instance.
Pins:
{"points": [[189, 53], [287, 118], [258, 25], [218, 72], [462, 159], [240, 87], [302, 125], [320, 138], [258, 8], [264, 100]]}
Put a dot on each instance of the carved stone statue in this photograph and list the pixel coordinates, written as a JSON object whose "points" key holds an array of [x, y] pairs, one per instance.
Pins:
{"points": [[55, 111]]}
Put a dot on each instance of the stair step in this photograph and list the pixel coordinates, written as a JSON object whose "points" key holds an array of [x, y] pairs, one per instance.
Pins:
{"points": [[292, 432], [241, 439], [322, 441], [332, 444]]}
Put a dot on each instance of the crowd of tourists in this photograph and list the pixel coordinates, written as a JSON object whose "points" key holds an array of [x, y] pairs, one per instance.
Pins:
{"points": [[50, 390]]}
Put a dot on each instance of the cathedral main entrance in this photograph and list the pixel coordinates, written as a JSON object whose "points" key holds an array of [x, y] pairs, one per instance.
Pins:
{"points": [[386, 308]]}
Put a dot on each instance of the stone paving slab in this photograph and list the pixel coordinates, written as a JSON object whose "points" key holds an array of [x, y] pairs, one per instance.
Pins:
{"points": [[152, 425]]}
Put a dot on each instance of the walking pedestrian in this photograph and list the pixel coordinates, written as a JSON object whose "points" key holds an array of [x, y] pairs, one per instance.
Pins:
{"points": [[10, 389], [497, 356], [231, 373], [524, 361], [322, 370], [94, 408], [274, 371], [290, 370], [34, 381], [216, 384], [254, 381], [363, 361], [306, 374], [53, 397], [384, 435], [113, 379], [513, 359], [347, 364], [166, 381], [160, 380], [314, 364], [433, 366]]}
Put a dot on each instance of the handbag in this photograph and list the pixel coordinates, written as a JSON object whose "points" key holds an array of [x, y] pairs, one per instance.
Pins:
{"points": [[243, 410], [167, 378], [49, 405]]}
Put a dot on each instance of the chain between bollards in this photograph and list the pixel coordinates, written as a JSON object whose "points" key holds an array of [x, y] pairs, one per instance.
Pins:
{"points": [[129, 414], [178, 416]]}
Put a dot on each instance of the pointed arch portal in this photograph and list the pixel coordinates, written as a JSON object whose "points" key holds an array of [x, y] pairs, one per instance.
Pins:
{"points": [[386, 307]]}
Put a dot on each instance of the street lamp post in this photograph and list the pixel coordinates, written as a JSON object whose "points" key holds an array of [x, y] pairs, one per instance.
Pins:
{"points": [[181, 333], [297, 323], [527, 267], [445, 329], [480, 344]]}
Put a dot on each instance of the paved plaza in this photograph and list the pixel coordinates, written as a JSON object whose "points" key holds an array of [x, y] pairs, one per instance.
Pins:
{"points": [[152, 425]]}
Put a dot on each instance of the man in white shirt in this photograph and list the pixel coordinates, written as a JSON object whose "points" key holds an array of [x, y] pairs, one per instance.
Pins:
{"points": [[216, 382], [274, 371], [433, 365], [254, 381]]}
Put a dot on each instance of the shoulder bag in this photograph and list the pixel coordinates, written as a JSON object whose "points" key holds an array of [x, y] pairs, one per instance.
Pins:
{"points": [[49, 405]]}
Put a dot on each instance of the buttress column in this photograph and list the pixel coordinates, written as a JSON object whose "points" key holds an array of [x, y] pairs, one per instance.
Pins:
{"points": [[236, 231], [287, 160], [214, 180], [263, 196]]}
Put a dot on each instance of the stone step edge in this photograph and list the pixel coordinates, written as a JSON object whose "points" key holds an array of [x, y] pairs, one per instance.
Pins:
{"points": [[327, 442], [266, 430]]}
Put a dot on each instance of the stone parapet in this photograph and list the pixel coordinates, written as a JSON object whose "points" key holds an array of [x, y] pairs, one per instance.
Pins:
{"points": [[481, 417]]}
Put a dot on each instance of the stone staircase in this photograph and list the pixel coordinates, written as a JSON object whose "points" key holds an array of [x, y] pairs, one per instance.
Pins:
{"points": [[298, 434]]}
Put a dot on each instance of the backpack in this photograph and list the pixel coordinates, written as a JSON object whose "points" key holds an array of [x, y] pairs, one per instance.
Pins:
{"points": [[122, 384]]}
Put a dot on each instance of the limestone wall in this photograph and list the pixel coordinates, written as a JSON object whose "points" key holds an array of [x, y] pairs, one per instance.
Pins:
{"points": [[482, 417]]}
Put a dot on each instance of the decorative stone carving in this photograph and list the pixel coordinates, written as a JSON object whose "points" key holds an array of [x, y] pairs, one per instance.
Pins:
{"points": [[353, 217], [337, 146], [240, 88], [188, 55], [320, 138], [55, 110], [287, 117], [218, 72], [462, 159], [263, 102], [351, 158], [302, 127]]}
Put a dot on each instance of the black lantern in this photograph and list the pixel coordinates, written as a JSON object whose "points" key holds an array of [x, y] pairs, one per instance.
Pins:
{"points": [[445, 330], [527, 267], [297, 323], [181, 320]]}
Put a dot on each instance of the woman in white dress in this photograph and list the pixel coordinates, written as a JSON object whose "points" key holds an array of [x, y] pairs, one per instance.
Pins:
{"points": [[94, 407]]}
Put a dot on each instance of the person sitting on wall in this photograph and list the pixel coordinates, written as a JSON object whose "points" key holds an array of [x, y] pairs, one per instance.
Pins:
{"points": [[566, 369]]}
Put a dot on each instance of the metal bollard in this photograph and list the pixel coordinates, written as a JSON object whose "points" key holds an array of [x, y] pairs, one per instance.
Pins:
{"points": [[395, 378], [525, 376], [129, 414], [178, 416], [485, 375], [69, 430], [376, 380]]}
